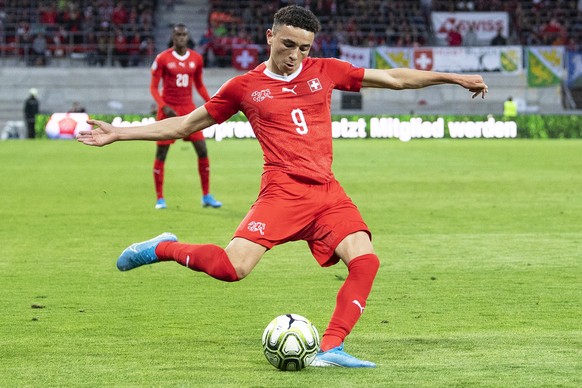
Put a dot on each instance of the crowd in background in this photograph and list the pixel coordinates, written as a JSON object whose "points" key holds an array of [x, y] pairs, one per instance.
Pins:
{"points": [[533, 22], [404, 23], [118, 31], [353, 22], [121, 31]]}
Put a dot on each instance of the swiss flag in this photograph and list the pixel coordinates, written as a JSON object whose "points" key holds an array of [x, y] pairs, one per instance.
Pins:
{"points": [[423, 59], [245, 58]]}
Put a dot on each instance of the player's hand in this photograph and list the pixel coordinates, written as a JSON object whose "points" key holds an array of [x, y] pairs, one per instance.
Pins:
{"points": [[103, 134], [169, 112], [475, 84]]}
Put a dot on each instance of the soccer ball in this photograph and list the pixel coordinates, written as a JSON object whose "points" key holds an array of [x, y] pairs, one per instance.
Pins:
{"points": [[290, 342]]}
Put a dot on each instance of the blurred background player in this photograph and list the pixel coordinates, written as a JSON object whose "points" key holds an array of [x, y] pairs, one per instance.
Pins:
{"points": [[179, 68], [31, 108]]}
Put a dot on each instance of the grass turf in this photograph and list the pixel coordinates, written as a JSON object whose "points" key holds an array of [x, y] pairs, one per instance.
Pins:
{"points": [[480, 283]]}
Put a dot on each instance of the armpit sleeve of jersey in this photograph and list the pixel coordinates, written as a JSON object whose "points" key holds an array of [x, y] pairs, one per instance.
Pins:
{"points": [[344, 75], [226, 102]]}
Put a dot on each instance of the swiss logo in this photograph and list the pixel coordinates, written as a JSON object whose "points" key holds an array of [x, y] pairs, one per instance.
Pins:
{"points": [[259, 96], [255, 226], [314, 84]]}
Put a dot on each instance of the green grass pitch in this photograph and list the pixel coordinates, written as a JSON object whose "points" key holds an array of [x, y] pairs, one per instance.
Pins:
{"points": [[480, 284]]}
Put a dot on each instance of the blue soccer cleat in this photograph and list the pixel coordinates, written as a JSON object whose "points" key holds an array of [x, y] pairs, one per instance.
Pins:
{"points": [[161, 204], [208, 200], [142, 253], [337, 357]]}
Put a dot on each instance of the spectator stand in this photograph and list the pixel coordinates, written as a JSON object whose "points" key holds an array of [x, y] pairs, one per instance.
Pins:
{"points": [[356, 23], [532, 22], [82, 32], [121, 32]]}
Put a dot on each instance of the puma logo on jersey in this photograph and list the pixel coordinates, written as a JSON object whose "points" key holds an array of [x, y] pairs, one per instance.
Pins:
{"points": [[290, 90], [259, 96]]}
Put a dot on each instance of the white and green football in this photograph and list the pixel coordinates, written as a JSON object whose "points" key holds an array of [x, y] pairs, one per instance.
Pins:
{"points": [[290, 342]]}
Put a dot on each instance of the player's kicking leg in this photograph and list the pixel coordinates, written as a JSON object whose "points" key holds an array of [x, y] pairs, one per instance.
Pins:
{"points": [[142, 253]]}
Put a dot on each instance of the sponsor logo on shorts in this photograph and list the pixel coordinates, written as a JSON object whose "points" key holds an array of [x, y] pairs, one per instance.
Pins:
{"points": [[255, 226]]}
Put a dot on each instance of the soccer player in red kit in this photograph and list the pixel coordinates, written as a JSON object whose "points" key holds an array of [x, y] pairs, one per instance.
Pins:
{"points": [[287, 101], [179, 68]]}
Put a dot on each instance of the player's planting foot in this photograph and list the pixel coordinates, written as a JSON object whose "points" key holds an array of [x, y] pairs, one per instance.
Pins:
{"points": [[208, 200], [337, 357], [161, 204], [142, 253]]}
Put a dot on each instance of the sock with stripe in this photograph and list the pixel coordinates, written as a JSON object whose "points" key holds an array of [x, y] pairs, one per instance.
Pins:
{"points": [[204, 172], [207, 258], [351, 300], [159, 178]]}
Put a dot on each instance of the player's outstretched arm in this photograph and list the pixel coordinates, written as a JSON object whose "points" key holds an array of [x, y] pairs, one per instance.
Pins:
{"points": [[401, 78], [172, 128]]}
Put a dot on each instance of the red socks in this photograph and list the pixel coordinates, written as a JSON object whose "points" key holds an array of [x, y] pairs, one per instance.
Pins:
{"points": [[207, 258], [159, 178], [204, 171], [351, 300]]}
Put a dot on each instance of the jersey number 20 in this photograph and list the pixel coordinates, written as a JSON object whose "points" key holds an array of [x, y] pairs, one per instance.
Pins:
{"points": [[182, 80]]}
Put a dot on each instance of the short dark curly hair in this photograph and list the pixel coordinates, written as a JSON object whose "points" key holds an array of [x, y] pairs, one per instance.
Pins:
{"points": [[296, 16]]}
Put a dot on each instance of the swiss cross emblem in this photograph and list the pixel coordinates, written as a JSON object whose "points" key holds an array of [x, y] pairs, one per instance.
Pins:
{"points": [[314, 84], [423, 59]]}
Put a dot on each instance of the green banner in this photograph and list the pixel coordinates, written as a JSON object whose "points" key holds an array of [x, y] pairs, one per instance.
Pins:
{"points": [[390, 58], [401, 127], [545, 66]]}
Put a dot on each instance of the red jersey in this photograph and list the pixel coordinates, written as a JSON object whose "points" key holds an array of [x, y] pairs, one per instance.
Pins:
{"points": [[290, 115], [179, 73]]}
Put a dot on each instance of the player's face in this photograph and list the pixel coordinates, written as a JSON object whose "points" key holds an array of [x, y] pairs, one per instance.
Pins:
{"points": [[180, 38], [289, 46]]}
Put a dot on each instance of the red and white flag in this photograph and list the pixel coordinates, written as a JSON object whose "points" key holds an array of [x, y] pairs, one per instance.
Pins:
{"points": [[245, 58]]}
